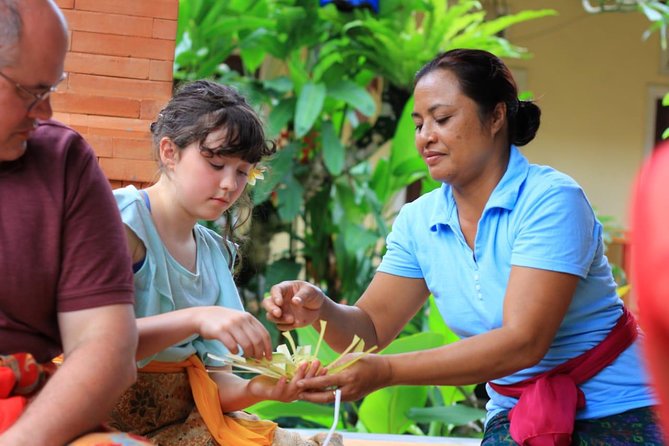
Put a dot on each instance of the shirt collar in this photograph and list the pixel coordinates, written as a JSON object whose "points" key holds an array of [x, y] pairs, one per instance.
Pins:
{"points": [[503, 196]]}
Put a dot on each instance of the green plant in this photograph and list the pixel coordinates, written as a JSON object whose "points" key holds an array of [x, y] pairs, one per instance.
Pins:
{"points": [[336, 90], [334, 86]]}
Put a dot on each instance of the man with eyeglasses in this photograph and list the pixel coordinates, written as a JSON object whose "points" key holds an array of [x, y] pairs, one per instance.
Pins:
{"points": [[65, 274]]}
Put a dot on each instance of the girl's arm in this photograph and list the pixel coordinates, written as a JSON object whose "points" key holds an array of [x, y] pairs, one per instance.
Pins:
{"points": [[232, 327], [236, 393]]}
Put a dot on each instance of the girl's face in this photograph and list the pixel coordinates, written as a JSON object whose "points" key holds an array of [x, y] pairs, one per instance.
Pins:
{"points": [[456, 146], [206, 187]]}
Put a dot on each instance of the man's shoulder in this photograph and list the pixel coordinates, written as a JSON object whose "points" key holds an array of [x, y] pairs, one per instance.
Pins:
{"points": [[51, 128], [54, 135]]}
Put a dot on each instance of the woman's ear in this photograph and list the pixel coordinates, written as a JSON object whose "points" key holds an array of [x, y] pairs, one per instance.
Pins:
{"points": [[498, 118], [169, 154]]}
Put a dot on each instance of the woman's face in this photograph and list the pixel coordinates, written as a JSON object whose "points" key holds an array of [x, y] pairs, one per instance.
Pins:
{"points": [[456, 146], [208, 186]]}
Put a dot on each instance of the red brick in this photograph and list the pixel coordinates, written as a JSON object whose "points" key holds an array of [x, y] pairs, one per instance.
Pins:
{"points": [[118, 133], [132, 170], [133, 125], [62, 117], [161, 70], [102, 145], [134, 149], [164, 29], [83, 130], [119, 87], [110, 23], [164, 9], [150, 109], [107, 65], [125, 46], [95, 105], [65, 4], [110, 122]]}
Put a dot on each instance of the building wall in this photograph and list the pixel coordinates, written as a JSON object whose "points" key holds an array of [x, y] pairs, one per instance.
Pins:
{"points": [[592, 76], [119, 67]]}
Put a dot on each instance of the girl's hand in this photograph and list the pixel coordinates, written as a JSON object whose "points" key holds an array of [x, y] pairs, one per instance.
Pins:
{"points": [[267, 388], [369, 373], [294, 304], [233, 328]]}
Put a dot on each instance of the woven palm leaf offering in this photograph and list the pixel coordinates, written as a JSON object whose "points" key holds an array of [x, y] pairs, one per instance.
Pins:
{"points": [[284, 363]]}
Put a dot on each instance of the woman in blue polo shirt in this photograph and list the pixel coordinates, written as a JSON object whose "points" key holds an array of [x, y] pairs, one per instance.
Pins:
{"points": [[513, 254]]}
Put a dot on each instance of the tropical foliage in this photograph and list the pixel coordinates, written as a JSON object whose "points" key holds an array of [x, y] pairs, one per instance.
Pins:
{"points": [[335, 89]]}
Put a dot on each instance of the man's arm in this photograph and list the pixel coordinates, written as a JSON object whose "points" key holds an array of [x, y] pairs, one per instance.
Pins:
{"points": [[99, 346]]}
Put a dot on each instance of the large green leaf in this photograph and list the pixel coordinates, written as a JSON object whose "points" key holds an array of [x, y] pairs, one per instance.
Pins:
{"points": [[419, 341], [282, 84], [271, 410], [279, 167], [354, 95], [436, 323], [308, 108], [291, 199], [280, 270], [333, 150], [280, 115], [384, 411], [455, 414], [358, 239]]}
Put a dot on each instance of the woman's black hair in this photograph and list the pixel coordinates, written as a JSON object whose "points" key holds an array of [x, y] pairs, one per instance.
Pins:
{"points": [[485, 79]]}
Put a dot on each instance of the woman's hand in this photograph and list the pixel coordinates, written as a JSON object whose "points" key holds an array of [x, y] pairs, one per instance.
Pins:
{"points": [[369, 373], [233, 328], [294, 304], [266, 388]]}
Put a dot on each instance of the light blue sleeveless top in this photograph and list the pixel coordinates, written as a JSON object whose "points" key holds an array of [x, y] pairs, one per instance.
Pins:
{"points": [[163, 285]]}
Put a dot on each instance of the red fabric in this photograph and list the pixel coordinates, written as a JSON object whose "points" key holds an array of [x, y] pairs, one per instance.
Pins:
{"points": [[650, 269], [20, 377], [547, 404]]}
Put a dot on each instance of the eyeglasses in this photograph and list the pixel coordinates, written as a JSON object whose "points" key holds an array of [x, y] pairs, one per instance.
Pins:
{"points": [[34, 98]]}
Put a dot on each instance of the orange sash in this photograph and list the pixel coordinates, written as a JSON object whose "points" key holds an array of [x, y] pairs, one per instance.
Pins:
{"points": [[225, 430]]}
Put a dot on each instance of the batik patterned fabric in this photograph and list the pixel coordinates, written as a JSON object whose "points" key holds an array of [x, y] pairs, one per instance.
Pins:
{"points": [[634, 427], [160, 406]]}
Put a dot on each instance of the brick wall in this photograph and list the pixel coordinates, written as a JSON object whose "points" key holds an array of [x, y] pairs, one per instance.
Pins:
{"points": [[119, 67]]}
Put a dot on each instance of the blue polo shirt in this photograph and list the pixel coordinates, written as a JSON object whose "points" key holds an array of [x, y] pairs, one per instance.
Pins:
{"points": [[536, 217]]}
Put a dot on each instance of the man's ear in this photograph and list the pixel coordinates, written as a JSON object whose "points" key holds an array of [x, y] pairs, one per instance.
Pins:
{"points": [[169, 154]]}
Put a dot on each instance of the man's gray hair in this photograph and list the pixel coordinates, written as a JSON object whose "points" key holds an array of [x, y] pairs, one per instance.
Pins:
{"points": [[10, 31]]}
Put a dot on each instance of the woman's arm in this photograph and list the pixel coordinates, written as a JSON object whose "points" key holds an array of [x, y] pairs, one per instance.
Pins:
{"points": [[381, 312], [534, 307]]}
